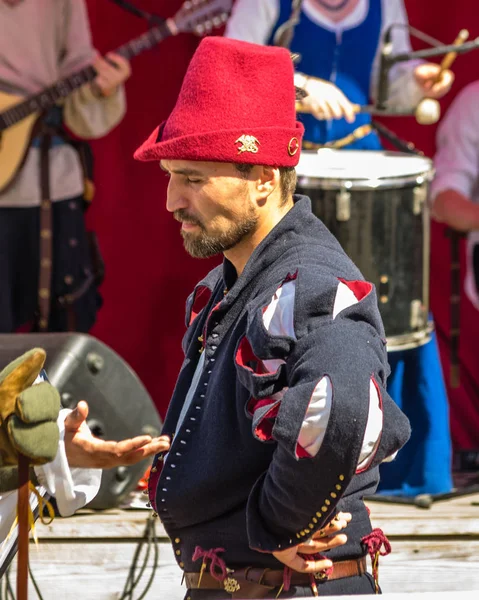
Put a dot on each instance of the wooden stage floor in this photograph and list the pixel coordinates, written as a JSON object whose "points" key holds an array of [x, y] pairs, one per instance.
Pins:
{"points": [[88, 556]]}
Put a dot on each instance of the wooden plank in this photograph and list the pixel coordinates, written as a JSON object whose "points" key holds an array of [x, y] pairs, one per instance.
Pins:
{"points": [[100, 569], [422, 566], [89, 555], [444, 519], [102, 524]]}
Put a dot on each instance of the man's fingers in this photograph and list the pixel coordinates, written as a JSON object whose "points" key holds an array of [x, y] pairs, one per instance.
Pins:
{"points": [[77, 417], [321, 111], [323, 544], [299, 564], [154, 447], [126, 446], [335, 109], [441, 87], [348, 111], [340, 521], [119, 61]]}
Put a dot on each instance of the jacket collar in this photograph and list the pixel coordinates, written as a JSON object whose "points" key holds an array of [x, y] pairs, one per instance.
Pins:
{"points": [[290, 231]]}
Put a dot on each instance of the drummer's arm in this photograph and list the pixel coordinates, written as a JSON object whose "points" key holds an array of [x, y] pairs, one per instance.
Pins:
{"points": [[456, 210], [457, 163]]}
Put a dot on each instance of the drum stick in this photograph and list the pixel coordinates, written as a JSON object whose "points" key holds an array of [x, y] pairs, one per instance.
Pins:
{"points": [[428, 110], [450, 57]]}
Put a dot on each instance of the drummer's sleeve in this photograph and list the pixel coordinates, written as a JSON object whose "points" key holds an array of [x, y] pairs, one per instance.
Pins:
{"points": [[324, 403], [457, 156], [253, 20], [404, 91]]}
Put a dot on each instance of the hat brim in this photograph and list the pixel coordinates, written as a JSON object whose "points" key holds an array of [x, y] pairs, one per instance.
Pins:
{"points": [[276, 146]]}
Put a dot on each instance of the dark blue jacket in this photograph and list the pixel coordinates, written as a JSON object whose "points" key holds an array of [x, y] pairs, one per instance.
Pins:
{"points": [[235, 477]]}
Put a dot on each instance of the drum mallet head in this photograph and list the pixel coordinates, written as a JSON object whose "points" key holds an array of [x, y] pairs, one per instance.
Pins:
{"points": [[428, 111]]}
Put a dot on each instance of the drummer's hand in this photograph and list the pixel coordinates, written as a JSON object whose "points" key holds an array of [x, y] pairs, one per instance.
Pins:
{"points": [[322, 540], [326, 101], [85, 450], [426, 74]]}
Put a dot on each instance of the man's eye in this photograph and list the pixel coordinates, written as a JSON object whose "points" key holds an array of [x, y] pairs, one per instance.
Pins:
{"points": [[193, 180]]}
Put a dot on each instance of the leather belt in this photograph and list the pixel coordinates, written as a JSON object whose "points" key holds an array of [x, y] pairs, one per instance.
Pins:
{"points": [[274, 578]]}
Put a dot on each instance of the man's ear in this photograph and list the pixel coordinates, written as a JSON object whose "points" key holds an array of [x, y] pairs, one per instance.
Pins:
{"points": [[268, 181]]}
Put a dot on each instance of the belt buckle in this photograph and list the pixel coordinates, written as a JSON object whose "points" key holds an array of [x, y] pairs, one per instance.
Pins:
{"points": [[231, 584], [321, 576]]}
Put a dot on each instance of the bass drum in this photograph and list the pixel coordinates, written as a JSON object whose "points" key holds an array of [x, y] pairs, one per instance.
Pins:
{"points": [[375, 203]]}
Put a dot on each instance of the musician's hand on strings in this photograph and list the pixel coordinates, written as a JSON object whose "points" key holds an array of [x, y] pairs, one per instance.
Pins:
{"points": [[426, 75], [85, 450], [326, 101], [113, 70]]}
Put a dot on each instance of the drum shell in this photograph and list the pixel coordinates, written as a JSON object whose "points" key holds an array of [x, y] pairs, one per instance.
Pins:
{"points": [[385, 231]]}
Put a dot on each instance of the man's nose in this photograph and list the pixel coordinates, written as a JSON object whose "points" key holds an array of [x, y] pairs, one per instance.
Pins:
{"points": [[175, 200]]}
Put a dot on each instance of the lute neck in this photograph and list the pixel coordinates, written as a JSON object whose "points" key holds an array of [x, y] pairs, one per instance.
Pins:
{"points": [[63, 88]]}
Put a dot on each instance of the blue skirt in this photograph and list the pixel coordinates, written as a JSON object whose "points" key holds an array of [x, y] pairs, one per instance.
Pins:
{"points": [[417, 386]]}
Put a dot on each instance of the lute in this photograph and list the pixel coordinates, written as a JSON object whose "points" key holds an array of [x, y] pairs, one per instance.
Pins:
{"points": [[19, 116]]}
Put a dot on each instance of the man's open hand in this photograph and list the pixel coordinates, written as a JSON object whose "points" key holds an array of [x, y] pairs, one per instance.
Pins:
{"points": [[87, 451]]}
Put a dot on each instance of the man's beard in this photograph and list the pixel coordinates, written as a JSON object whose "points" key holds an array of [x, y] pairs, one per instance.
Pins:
{"points": [[203, 245]]}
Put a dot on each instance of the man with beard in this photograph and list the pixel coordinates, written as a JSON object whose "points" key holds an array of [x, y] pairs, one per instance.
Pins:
{"points": [[280, 414]]}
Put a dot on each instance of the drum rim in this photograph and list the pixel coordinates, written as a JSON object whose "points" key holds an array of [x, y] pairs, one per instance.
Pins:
{"points": [[408, 341], [366, 184]]}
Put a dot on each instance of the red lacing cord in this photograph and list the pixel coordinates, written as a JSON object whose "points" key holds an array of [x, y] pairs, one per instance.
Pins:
{"points": [[374, 542], [216, 563]]}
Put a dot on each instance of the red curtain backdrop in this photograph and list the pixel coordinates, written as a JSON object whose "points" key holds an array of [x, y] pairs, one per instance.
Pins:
{"points": [[148, 273]]}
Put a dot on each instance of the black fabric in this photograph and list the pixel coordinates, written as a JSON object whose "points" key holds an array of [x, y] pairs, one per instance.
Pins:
{"points": [[19, 267], [222, 486]]}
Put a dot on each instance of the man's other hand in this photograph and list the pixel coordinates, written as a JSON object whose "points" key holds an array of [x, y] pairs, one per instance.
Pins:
{"points": [[426, 75], [326, 101], [322, 540], [85, 450]]}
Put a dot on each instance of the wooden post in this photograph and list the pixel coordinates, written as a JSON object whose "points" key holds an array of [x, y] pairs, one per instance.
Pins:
{"points": [[23, 508]]}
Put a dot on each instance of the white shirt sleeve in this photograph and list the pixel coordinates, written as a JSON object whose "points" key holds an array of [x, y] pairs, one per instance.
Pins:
{"points": [[404, 91], [88, 117], [72, 488], [253, 20], [457, 155]]}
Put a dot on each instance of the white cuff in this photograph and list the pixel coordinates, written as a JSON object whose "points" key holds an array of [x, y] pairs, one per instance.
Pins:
{"points": [[72, 488], [300, 80]]}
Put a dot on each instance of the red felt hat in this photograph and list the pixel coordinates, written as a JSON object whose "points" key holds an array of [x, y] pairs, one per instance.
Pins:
{"points": [[237, 104]]}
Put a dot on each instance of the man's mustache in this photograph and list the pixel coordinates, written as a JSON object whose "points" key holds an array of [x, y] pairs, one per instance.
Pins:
{"points": [[183, 217]]}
